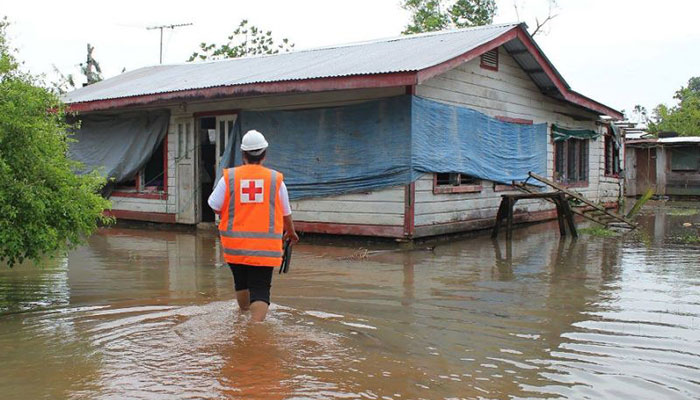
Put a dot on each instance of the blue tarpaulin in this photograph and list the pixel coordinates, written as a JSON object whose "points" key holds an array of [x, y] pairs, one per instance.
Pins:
{"points": [[329, 151], [449, 138], [389, 142]]}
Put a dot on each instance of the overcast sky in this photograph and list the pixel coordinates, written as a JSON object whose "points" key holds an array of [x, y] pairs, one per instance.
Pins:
{"points": [[619, 52]]}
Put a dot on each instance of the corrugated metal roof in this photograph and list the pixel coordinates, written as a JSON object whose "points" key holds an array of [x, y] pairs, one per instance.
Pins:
{"points": [[403, 54], [680, 139]]}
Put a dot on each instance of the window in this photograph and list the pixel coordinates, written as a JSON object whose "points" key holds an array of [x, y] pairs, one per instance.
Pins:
{"points": [[489, 60], [153, 172], [455, 183], [571, 161], [151, 181], [685, 159], [612, 157]]}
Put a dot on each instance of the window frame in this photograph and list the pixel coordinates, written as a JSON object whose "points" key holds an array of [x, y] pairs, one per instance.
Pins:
{"points": [[485, 65], [582, 153], [672, 151], [139, 191], [611, 156], [459, 188]]}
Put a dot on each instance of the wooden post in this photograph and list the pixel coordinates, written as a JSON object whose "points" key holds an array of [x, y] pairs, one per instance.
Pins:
{"points": [[569, 215], [509, 221], [560, 215], [499, 217]]}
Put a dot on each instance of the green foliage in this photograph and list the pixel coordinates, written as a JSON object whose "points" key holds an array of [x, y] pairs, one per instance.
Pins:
{"points": [[246, 40], [690, 238], [44, 205], [598, 232], [683, 118], [435, 15]]}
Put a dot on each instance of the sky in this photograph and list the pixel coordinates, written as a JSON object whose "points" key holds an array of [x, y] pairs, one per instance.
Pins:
{"points": [[618, 52]]}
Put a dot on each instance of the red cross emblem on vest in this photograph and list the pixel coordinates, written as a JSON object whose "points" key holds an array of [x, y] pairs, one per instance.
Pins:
{"points": [[252, 190]]}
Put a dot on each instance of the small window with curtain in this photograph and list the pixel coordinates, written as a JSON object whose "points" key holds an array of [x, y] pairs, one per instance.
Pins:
{"points": [[571, 161], [453, 182], [151, 181]]}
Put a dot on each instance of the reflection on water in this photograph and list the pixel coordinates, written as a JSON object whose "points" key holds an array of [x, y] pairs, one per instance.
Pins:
{"points": [[151, 314]]}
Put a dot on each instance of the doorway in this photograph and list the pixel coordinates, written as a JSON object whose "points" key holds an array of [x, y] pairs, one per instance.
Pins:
{"points": [[207, 164], [646, 169]]}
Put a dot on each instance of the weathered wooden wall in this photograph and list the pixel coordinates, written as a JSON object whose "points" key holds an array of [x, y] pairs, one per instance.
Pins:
{"points": [[508, 92]]}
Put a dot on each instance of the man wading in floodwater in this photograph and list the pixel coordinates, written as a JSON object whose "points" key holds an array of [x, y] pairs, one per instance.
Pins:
{"points": [[254, 207]]}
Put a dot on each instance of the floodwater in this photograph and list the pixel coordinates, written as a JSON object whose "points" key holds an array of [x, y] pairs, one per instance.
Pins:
{"points": [[149, 314]]}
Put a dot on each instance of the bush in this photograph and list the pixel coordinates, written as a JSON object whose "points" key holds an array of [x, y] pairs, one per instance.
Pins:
{"points": [[44, 205]]}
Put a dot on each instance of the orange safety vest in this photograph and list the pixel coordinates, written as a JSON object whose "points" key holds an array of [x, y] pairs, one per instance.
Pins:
{"points": [[251, 216]]}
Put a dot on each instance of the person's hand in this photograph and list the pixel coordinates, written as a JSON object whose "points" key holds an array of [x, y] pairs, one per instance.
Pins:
{"points": [[292, 236]]}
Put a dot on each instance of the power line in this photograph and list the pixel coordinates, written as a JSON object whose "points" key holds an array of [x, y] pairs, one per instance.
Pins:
{"points": [[161, 27]]}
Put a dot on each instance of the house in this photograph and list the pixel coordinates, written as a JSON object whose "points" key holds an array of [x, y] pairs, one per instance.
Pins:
{"points": [[402, 138], [669, 165]]}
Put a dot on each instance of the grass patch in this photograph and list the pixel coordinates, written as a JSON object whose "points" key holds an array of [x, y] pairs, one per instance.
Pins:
{"points": [[690, 239], [598, 232], [682, 212]]}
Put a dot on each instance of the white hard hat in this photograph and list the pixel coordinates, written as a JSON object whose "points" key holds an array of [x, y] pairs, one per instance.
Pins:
{"points": [[253, 140]]}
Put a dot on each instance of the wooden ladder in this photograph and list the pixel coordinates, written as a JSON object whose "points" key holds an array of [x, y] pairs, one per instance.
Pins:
{"points": [[589, 210]]}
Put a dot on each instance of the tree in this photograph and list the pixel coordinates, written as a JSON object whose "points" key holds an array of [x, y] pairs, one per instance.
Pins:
{"points": [[640, 115], [246, 40], [684, 118], [90, 69], [435, 15], [44, 206]]}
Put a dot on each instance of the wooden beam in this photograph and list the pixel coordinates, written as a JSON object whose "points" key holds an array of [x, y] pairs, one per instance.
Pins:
{"points": [[389, 231]]}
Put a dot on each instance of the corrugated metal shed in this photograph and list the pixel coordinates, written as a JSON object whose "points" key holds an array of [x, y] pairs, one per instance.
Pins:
{"points": [[403, 54]]}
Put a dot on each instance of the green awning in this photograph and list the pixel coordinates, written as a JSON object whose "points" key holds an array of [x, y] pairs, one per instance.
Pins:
{"points": [[560, 134]]}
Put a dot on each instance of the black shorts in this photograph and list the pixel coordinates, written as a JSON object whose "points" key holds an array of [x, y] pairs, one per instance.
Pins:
{"points": [[257, 280]]}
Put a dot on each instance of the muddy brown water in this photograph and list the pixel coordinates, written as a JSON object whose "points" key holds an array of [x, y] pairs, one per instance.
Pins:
{"points": [[144, 314]]}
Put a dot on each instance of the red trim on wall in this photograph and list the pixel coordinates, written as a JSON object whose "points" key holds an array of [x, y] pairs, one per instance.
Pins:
{"points": [[514, 120], [411, 90], [298, 86], [409, 211], [141, 195], [455, 189], [142, 216], [350, 229], [503, 188]]}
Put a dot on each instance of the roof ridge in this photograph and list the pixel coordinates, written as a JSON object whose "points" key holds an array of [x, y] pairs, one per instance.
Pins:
{"points": [[353, 44]]}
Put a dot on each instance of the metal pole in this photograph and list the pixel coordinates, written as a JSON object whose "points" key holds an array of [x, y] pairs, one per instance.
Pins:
{"points": [[161, 45], [173, 26]]}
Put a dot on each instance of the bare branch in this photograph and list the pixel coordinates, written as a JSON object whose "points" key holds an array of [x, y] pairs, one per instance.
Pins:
{"points": [[540, 25]]}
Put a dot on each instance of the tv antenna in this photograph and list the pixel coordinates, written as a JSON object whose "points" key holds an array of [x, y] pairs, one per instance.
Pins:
{"points": [[161, 27]]}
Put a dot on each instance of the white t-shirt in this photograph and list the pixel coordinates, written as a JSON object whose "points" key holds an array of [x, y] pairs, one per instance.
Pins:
{"points": [[216, 199]]}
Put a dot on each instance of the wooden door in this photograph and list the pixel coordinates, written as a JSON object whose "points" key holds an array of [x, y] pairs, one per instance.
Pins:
{"points": [[224, 127], [646, 169], [185, 164]]}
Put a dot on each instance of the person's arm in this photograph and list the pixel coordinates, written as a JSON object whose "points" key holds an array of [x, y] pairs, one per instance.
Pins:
{"points": [[289, 232], [216, 199]]}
